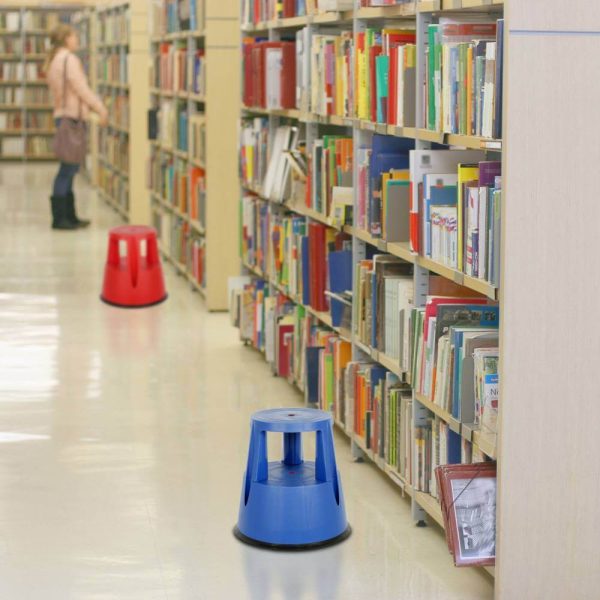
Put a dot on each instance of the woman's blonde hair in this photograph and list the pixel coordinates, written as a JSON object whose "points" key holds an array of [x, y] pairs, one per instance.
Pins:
{"points": [[58, 40]]}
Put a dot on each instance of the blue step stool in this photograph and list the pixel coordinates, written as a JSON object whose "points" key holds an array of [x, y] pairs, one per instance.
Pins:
{"points": [[293, 503]]}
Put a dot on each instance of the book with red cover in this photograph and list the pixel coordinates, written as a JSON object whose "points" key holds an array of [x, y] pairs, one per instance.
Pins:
{"points": [[392, 86], [248, 92], [258, 75], [318, 272], [374, 52], [289, 9], [469, 30], [468, 502]]}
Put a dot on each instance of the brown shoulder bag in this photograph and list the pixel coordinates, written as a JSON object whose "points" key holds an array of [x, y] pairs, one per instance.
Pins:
{"points": [[70, 140]]}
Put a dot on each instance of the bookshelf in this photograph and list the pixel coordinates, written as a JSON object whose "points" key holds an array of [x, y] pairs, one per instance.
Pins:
{"points": [[120, 31], [274, 270], [26, 123], [193, 160], [83, 22]]}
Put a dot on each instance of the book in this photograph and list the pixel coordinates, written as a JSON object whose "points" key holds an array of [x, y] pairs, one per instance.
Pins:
{"points": [[464, 68]]}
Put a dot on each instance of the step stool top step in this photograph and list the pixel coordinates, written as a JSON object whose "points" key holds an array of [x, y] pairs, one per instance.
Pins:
{"points": [[292, 419]]}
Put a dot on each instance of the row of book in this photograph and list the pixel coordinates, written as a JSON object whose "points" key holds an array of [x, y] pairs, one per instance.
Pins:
{"points": [[33, 145], [382, 305], [182, 186], [29, 95], [170, 16], [455, 356], [113, 67], [177, 69], [182, 243], [29, 20], [297, 255], [371, 75], [29, 120], [118, 108], [364, 397], [254, 148], [329, 170], [303, 257], [114, 148], [443, 204], [38, 145], [114, 186], [197, 137], [113, 27], [269, 74], [168, 119], [18, 71], [19, 46], [255, 11], [463, 91], [455, 209], [446, 203]]}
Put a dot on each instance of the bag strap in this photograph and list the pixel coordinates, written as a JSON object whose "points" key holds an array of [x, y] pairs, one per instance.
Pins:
{"points": [[64, 98]]}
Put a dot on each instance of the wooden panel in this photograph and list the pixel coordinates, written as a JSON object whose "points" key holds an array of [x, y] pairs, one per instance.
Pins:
{"points": [[222, 110], [223, 32], [555, 14], [549, 522], [222, 9]]}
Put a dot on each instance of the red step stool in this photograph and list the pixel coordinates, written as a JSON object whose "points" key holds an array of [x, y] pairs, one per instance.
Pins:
{"points": [[133, 275]]}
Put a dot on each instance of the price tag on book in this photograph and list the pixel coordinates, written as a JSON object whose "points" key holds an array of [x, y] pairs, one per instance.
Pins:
{"points": [[492, 145]]}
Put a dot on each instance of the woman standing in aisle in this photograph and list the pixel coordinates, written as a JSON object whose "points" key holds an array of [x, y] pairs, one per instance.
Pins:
{"points": [[73, 99]]}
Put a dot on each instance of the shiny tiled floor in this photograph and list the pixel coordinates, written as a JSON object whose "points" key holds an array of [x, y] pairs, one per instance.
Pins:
{"points": [[123, 437]]}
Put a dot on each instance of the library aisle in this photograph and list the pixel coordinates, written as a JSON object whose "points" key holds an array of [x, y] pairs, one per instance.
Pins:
{"points": [[124, 439]]}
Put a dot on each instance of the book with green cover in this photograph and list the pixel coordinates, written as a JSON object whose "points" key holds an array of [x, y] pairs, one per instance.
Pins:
{"points": [[434, 73], [382, 69]]}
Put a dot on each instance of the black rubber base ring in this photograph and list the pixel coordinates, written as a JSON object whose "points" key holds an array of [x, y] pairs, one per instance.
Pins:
{"points": [[292, 547], [133, 305]]}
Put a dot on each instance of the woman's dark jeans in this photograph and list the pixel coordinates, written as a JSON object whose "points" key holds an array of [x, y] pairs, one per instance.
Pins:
{"points": [[63, 183]]}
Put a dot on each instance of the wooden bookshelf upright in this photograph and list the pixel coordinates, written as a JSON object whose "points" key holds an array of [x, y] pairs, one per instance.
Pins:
{"points": [[84, 22], [27, 125], [193, 164], [121, 31], [417, 15]]}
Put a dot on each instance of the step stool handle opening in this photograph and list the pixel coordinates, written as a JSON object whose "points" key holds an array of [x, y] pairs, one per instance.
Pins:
{"points": [[325, 467], [257, 468]]}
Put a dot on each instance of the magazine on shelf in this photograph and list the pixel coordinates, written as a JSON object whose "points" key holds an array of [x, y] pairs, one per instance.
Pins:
{"points": [[468, 501]]}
